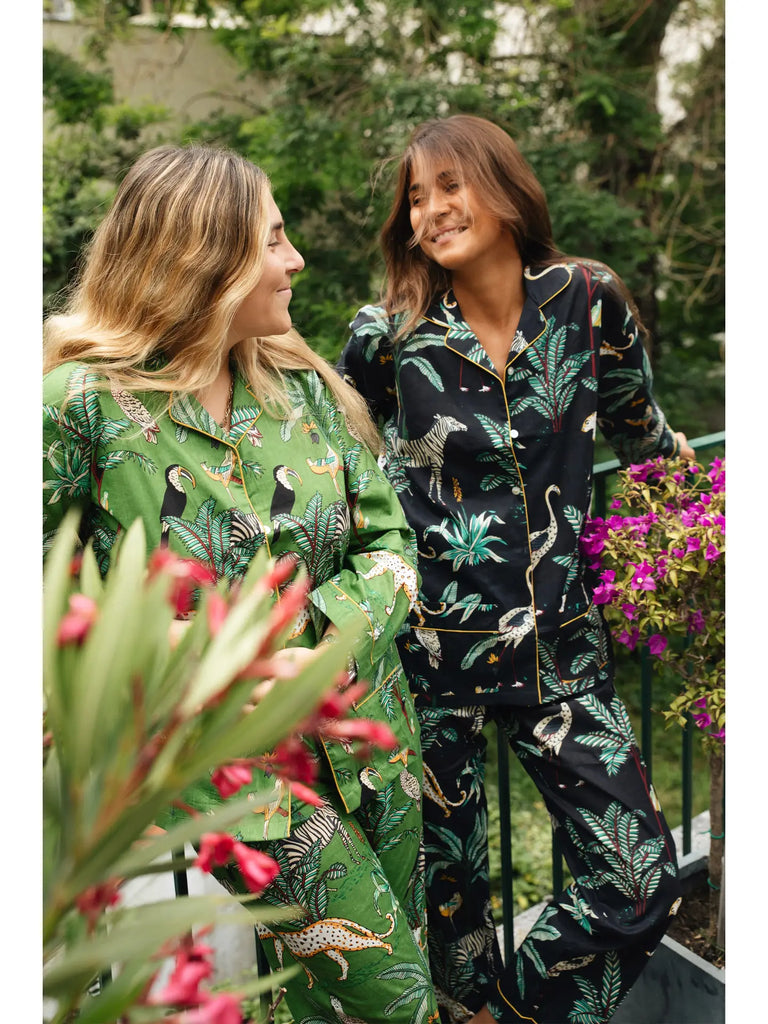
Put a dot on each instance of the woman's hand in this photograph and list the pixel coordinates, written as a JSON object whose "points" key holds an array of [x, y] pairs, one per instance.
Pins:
{"points": [[684, 450]]}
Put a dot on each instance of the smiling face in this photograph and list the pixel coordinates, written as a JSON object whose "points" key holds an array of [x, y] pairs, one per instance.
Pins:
{"points": [[264, 310], [452, 224]]}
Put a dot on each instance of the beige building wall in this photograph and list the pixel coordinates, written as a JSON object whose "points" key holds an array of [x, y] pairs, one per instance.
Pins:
{"points": [[191, 75]]}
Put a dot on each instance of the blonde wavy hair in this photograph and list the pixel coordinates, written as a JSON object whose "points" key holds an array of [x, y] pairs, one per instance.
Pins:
{"points": [[181, 246]]}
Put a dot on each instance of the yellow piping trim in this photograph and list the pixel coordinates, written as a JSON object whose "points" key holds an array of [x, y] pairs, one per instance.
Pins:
{"points": [[520, 1015]]}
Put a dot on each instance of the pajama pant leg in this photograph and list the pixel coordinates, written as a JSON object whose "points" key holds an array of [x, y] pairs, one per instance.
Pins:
{"points": [[590, 944], [464, 954], [357, 945]]}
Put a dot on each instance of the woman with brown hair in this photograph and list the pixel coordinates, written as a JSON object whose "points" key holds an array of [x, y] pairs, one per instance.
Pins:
{"points": [[489, 364], [178, 392]]}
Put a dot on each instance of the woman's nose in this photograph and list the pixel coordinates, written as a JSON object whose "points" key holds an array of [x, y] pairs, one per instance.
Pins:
{"points": [[296, 261]]}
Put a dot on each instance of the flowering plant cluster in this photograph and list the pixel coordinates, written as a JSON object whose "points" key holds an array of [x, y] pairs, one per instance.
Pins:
{"points": [[660, 565], [138, 706]]}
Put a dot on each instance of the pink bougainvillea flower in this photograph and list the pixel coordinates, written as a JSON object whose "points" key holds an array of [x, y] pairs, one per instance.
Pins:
{"points": [[643, 577], [215, 848], [630, 612], [702, 719], [229, 778], [616, 503], [256, 867], [711, 553], [222, 1008], [694, 544], [77, 621], [657, 644], [93, 901], [696, 621], [604, 592], [678, 552], [629, 638]]}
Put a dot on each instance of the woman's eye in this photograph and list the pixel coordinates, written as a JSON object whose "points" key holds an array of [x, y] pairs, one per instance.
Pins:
{"points": [[452, 186]]}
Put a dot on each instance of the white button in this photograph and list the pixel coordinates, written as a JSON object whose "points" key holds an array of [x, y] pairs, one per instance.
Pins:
{"points": [[514, 433]]}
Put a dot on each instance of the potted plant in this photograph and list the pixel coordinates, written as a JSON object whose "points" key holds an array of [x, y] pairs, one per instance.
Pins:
{"points": [[136, 709], [660, 575]]}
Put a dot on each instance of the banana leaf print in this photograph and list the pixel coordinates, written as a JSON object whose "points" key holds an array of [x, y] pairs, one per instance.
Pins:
{"points": [[542, 931], [373, 330], [423, 363], [185, 408], [321, 534], [468, 857], [617, 740], [553, 378], [467, 538], [597, 1007], [209, 538], [396, 465], [450, 603], [633, 867], [419, 991]]}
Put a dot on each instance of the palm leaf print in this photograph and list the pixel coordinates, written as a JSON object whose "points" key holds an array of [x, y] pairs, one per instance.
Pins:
{"points": [[627, 383], [633, 868], [579, 909], [117, 457], [617, 740], [553, 377], [376, 326], [300, 881], [594, 1007], [319, 534], [542, 931], [468, 859], [185, 408], [72, 469], [421, 363], [209, 538], [419, 991], [467, 538], [383, 819]]}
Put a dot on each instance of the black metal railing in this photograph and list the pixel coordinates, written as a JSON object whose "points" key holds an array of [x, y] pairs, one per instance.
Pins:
{"points": [[603, 471]]}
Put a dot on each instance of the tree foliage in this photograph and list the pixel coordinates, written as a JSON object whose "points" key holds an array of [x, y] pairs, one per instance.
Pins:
{"points": [[576, 87]]}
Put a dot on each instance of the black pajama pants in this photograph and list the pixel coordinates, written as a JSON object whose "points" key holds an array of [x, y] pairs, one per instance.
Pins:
{"points": [[592, 940]]}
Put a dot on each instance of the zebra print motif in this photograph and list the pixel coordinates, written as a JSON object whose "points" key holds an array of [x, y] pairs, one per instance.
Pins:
{"points": [[428, 451]]}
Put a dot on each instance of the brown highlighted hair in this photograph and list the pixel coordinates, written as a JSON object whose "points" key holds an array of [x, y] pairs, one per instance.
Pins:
{"points": [[481, 154]]}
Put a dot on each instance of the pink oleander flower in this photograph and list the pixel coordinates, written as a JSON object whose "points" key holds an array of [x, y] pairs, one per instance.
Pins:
{"points": [[657, 644], [215, 849], [290, 603], [187, 575], [229, 778], [76, 623], [192, 967], [217, 610], [94, 901], [223, 1008], [257, 869], [377, 734], [302, 792], [293, 761]]}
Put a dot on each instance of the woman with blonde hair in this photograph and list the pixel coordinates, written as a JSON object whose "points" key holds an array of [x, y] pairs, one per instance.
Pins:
{"points": [[177, 391], [490, 363]]}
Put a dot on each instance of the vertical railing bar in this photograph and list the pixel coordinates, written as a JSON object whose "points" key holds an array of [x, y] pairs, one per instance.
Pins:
{"points": [[646, 697], [687, 787], [505, 836]]}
